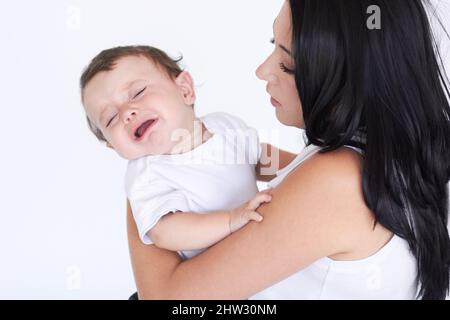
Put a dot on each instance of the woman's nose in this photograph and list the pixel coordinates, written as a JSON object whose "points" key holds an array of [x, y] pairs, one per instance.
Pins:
{"points": [[260, 72], [264, 72]]}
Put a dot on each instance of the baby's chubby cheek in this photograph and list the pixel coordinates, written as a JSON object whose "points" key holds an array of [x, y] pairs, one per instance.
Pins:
{"points": [[123, 149], [134, 150], [156, 143]]}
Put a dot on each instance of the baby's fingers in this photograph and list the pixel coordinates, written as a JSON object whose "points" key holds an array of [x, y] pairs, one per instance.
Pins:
{"points": [[253, 215], [267, 191], [257, 200]]}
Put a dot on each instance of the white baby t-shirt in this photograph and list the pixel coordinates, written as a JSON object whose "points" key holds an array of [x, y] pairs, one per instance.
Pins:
{"points": [[217, 175]]}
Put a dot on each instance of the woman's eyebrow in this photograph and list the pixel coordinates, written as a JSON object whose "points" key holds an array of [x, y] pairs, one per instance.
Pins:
{"points": [[285, 49], [280, 45]]}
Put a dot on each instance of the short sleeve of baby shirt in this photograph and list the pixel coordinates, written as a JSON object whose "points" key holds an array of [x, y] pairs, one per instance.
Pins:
{"points": [[150, 199]]}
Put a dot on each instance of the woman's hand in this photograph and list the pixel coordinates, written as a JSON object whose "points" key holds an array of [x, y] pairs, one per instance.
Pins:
{"points": [[242, 215], [272, 159]]}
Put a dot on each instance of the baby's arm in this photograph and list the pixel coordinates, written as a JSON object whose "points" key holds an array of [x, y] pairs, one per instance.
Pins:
{"points": [[189, 231], [272, 159]]}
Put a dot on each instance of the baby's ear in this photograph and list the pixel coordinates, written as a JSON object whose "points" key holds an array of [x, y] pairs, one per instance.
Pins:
{"points": [[186, 85], [109, 145]]}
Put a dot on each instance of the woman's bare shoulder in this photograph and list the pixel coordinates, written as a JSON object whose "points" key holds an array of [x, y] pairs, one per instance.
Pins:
{"points": [[336, 178], [337, 173]]}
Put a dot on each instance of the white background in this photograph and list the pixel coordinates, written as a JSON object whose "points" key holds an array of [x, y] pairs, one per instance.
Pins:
{"points": [[62, 220]]}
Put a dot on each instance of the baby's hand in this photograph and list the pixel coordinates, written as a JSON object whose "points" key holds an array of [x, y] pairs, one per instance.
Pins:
{"points": [[240, 216]]}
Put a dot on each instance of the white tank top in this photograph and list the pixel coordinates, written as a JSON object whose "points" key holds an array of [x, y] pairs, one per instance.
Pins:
{"points": [[390, 273]]}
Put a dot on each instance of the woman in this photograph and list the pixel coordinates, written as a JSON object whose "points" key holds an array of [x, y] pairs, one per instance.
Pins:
{"points": [[340, 225]]}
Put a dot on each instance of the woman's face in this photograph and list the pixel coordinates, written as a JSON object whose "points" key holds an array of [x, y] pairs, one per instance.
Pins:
{"points": [[277, 70]]}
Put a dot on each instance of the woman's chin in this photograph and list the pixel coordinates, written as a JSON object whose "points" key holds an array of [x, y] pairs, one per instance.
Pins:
{"points": [[288, 122]]}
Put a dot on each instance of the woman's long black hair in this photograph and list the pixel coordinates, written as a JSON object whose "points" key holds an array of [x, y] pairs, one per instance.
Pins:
{"points": [[387, 85]]}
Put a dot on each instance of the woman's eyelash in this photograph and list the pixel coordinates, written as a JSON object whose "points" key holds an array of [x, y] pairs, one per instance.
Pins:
{"points": [[286, 69], [282, 65], [137, 94]]}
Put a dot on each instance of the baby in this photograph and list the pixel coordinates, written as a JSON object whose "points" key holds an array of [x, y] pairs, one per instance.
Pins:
{"points": [[190, 181]]}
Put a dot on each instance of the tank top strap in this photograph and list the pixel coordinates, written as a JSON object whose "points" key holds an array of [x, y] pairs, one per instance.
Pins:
{"points": [[357, 143]]}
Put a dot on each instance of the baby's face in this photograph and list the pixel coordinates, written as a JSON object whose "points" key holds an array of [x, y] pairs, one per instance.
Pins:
{"points": [[138, 107]]}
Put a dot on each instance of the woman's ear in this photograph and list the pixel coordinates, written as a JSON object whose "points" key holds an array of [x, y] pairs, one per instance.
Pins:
{"points": [[186, 84]]}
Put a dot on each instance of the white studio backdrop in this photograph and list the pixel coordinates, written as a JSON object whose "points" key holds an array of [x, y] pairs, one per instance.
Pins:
{"points": [[62, 227]]}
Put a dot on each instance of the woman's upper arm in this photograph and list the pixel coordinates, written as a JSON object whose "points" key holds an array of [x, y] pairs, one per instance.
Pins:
{"points": [[151, 265], [309, 217]]}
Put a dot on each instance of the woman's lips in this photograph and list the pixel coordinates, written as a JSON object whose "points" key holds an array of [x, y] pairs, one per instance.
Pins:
{"points": [[143, 128], [275, 103]]}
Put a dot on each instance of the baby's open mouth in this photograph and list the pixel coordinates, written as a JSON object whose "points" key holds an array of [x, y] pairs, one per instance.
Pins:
{"points": [[140, 131]]}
